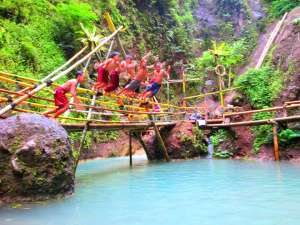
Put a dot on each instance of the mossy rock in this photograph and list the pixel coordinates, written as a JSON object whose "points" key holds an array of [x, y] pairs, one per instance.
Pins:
{"points": [[36, 160]]}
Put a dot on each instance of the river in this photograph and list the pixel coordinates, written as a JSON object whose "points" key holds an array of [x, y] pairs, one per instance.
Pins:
{"points": [[196, 192]]}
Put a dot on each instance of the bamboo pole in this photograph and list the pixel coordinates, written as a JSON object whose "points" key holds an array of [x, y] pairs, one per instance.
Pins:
{"points": [[130, 149], [256, 122], [168, 95], [211, 93], [183, 88], [142, 143], [263, 110], [221, 92], [58, 69], [112, 28], [79, 90], [89, 116], [87, 91], [58, 76], [275, 140], [113, 126], [160, 140], [181, 80], [64, 65]]}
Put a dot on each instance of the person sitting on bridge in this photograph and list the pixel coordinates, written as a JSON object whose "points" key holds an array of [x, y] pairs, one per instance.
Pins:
{"points": [[60, 99], [108, 73], [156, 81], [140, 77]]}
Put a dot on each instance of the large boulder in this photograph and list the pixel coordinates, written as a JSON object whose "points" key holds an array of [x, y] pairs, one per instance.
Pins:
{"points": [[36, 160], [182, 141]]}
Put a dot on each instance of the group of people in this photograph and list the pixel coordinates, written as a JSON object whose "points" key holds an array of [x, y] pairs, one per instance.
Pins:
{"points": [[108, 80]]}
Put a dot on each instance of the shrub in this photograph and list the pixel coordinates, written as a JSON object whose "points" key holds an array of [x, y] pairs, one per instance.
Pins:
{"points": [[261, 86], [263, 134], [279, 7]]}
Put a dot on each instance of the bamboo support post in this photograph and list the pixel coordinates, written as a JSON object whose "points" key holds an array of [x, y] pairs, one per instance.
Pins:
{"points": [[93, 102], [58, 76], [160, 140], [183, 88], [89, 116], [168, 95], [130, 149], [275, 140], [142, 143]]}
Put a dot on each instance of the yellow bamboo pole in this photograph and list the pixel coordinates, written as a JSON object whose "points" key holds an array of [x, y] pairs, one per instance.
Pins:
{"points": [[183, 88], [112, 28], [211, 93]]}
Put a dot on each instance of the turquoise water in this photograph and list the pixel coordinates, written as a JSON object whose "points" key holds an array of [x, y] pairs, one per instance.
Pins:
{"points": [[197, 192]]}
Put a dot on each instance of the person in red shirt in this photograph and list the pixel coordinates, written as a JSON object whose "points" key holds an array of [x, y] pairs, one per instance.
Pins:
{"points": [[60, 99]]}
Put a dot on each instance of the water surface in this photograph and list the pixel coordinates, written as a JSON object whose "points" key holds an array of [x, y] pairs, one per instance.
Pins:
{"points": [[197, 192]]}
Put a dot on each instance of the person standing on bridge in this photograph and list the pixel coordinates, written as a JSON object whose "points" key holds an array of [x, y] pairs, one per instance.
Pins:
{"points": [[60, 99], [108, 73]]}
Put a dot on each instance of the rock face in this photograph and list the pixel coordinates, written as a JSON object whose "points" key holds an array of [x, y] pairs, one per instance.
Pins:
{"points": [[36, 160], [287, 54], [216, 18], [116, 148], [181, 143]]}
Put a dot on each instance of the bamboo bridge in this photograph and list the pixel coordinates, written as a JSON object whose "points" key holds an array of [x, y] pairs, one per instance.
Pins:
{"points": [[23, 94]]}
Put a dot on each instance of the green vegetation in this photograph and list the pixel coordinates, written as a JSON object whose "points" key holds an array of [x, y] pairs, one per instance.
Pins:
{"points": [[197, 141], [286, 136], [94, 137], [263, 134], [34, 34], [262, 86], [221, 141], [279, 7]]}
